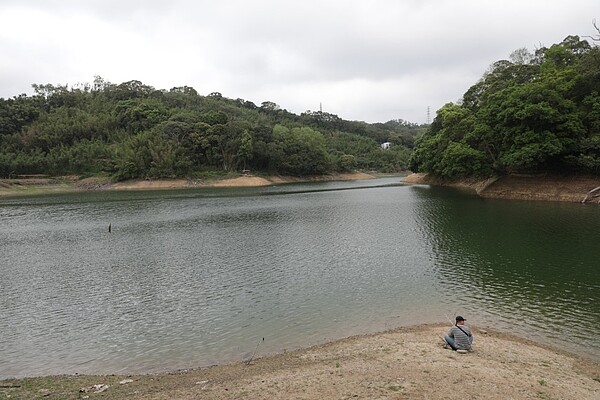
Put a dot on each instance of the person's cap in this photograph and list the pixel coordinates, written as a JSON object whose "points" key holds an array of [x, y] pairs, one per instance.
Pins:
{"points": [[459, 318]]}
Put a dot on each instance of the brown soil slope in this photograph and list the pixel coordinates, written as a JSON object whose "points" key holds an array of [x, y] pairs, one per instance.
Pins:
{"points": [[522, 187], [40, 186]]}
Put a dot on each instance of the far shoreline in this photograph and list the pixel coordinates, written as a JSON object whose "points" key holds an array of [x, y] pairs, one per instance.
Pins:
{"points": [[541, 187], [34, 186]]}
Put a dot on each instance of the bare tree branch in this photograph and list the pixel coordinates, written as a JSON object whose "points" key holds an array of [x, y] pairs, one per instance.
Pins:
{"points": [[595, 38]]}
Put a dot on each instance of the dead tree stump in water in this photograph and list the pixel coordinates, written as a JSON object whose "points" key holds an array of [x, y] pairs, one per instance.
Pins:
{"points": [[592, 194]]}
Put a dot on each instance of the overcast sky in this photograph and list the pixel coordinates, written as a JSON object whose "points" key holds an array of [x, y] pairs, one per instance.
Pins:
{"points": [[370, 60]]}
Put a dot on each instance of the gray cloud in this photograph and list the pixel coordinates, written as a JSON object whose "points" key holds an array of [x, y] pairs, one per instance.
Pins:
{"points": [[372, 61]]}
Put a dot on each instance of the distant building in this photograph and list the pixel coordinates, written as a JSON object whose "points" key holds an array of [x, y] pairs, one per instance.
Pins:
{"points": [[385, 145]]}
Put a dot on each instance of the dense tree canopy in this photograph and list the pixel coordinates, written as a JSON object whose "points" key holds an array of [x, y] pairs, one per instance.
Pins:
{"points": [[132, 130], [534, 112]]}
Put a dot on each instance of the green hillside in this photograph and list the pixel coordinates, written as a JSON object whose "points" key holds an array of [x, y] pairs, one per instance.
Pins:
{"points": [[536, 112], [132, 130]]}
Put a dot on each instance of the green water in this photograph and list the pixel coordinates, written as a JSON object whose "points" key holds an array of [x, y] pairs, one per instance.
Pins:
{"points": [[197, 277]]}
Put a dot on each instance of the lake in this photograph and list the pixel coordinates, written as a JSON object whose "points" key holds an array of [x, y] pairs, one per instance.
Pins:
{"points": [[195, 277]]}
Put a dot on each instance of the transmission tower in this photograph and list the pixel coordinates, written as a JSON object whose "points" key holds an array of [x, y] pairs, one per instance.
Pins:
{"points": [[428, 115]]}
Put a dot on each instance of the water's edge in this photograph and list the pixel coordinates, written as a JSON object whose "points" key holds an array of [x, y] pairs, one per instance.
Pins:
{"points": [[187, 279], [545, 187]]}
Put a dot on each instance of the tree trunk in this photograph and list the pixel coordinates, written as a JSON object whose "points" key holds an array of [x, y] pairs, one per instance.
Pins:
{"points": [[592, 194]]}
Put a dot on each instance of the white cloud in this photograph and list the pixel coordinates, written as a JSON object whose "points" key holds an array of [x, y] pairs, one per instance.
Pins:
{"points": [[372, 61]]}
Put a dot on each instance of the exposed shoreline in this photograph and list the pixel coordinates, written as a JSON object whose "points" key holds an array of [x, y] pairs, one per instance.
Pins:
{"points": [[44, 185], [545, 187], [404, 363], [513, 187]]}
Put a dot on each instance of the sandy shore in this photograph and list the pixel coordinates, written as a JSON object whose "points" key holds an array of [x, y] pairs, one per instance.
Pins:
{"points": [[406, 363], [241, 181], [515, 187], [12, 187]]}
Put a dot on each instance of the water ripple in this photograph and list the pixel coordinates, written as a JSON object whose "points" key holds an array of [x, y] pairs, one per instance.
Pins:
{"points": [[192, 279]]}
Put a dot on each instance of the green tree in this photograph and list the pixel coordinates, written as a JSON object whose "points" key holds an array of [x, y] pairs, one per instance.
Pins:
{"points": [[346, 163], [16, 113], [136, 115], [133, 130], [133, 157], [533, 113], [299, 151], [245, 149]]}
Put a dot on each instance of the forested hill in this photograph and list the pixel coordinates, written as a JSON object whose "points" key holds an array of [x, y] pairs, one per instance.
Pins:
{"points": [[131, 130], [537, 112]]}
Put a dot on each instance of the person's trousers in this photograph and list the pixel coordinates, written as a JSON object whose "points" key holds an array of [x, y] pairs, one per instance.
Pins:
{"points": [[450, 342]]}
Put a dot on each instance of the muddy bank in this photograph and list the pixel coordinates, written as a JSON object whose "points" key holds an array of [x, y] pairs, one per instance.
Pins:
{"points": [[12, 187], [521, 187], [406, 363], [239, 181]]}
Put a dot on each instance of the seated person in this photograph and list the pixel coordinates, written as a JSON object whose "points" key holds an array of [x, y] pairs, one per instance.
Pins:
{"points": [[459, 337]]}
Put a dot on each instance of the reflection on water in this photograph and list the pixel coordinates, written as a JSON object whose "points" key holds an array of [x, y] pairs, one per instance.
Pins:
{"points": [[196, 277], [526, 267]]}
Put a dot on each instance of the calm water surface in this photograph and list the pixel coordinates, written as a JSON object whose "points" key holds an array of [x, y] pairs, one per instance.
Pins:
{"points": [[197, 277]]}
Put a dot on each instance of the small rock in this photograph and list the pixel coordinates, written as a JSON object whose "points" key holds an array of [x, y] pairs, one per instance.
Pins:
{"points": [[201, 382], [100, 388], [126, 381]]}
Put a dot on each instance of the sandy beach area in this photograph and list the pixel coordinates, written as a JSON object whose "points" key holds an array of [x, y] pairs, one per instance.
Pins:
{"points": [[515, 187], [45, 185], [405, 363]]}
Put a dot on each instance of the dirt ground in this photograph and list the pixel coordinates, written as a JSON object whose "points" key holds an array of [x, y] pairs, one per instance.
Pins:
{"points": [[37, 186], [406, 363], [523, 187], [241, 181], [516, 187]]}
